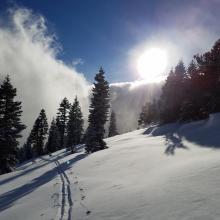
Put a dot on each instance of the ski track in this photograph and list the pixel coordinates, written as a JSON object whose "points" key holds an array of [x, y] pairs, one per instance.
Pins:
{"points": [[66, 191]]}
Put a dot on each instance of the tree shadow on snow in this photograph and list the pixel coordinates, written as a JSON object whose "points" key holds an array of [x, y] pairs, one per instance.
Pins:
{"points": [[26, 170], [9, 198], [204, 133]]}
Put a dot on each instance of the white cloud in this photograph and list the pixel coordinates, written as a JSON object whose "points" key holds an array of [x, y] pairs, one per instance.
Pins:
{"points": [[77, 61], [29, 54]]}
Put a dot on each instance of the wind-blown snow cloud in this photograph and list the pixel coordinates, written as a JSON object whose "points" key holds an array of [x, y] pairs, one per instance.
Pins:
{"points": [[29, 54], [127, 100]]}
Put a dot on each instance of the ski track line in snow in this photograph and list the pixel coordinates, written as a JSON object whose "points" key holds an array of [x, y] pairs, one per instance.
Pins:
{"points": [[66, 190]]}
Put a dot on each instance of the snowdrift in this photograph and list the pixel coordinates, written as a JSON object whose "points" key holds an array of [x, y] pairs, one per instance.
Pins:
{"points": [[170, 172]]}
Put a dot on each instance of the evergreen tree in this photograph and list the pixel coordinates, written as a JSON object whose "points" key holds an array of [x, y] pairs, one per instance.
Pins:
{"points": [[39, 132], [75, 125], [21, 155], [98, 114], [194, 94], [10, 126], [62, 119], [28, 153], [193, 105], [172, 94], [209, 71], [53, 143], [113, 125], [58, 124]]}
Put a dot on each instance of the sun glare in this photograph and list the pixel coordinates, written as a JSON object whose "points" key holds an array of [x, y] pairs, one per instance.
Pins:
{"points": [[152, 64]]}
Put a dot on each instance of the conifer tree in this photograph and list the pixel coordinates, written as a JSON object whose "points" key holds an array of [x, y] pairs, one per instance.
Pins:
{"points": [[173, 94], [75, 125], [39, 132], [193, 105], [21, 155], [209, 71], [53, 143], [98, 110], [113, 125], [10, 125], [62, 119], [58, 124], [28, 153], [194, 94]]}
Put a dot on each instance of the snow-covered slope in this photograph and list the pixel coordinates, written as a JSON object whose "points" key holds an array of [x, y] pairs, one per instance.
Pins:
{"points": [[160, 173]]}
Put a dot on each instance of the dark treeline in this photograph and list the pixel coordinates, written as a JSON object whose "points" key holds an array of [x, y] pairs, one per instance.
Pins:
{"points": [[189, 94], [65, 131]]}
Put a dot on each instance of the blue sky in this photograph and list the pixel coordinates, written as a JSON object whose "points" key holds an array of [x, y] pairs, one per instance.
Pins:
{"points": [[109, 32]]}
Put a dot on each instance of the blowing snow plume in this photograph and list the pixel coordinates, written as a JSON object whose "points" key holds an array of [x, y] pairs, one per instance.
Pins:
{"points": [[127, 99], [29, 54]]}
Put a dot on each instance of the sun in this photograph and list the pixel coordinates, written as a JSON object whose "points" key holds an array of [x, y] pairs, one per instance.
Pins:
{"points": [[152, 64]]}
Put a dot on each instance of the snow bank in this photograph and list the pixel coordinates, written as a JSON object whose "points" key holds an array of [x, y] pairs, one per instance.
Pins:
{"points": [[159, 173]]}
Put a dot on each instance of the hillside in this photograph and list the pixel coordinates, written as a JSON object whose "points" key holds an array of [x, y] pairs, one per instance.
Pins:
{"points": [[169, 172]]}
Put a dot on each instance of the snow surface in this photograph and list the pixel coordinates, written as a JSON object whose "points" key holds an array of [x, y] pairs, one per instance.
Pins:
{"points": [[170, 172]]}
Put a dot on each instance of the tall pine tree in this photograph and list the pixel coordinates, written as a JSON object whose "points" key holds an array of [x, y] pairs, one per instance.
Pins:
{"points": [[39, 132], [98, 110], [74, 126], [62, 119], [113, 125], [10, 126]]}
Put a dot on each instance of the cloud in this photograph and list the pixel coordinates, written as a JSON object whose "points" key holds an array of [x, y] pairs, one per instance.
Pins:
{"points": [[29, 54], [77, 61]]}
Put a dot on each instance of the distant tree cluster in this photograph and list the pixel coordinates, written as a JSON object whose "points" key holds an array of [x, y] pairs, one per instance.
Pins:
{"points": [[65, 131], [189, 94]]}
